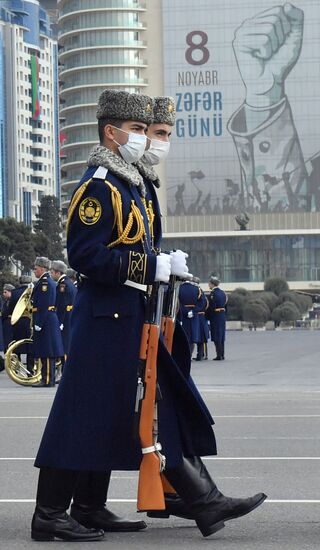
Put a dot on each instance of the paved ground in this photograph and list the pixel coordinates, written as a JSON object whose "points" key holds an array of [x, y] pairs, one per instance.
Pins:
{"points": [[266, 403]]}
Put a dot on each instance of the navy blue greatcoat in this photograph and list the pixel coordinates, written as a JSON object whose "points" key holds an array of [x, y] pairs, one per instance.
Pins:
{"points": [[216, 313], [203, 322], [6, 323], [66, 292], [21, 329], [1, 331], [90, 426], [47, 342], [190, 300]]}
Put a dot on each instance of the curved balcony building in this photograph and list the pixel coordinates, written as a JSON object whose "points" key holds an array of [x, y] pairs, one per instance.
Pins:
{"points": [[100, 45]]}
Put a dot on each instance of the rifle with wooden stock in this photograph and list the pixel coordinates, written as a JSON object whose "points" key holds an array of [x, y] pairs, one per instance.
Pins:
{"points": [[168, 321], [169, 314], [150, 489]]}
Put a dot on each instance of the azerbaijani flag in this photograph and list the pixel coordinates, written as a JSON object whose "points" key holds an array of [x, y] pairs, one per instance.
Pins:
{"points": [[35, 87]]}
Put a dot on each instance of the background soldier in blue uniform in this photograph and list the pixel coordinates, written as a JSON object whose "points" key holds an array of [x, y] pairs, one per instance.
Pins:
{"points": [[22, 328], [66, 292], [90, 425], [216, 314], [6, 315], [47, 341], [72, 275], [202, 347], [190, 305], [1, 339]]}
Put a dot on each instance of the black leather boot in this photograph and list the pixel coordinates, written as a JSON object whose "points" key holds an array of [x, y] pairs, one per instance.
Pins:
{"points": [[89, 505], [54, 523], [222, 350], [50, 520], [218, 352], [202, 499], [174, 507]]}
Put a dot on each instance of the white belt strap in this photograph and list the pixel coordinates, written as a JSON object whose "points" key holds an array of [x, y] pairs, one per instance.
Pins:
{"points": [[154, 448], [136, 285]]}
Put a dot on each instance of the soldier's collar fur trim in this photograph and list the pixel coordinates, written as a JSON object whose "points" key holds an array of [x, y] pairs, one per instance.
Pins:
{"points": [[101, 156], [148, 172]]}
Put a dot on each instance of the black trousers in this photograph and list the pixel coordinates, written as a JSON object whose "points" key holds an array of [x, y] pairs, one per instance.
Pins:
{"points": [[48, 370], [57, 487]]}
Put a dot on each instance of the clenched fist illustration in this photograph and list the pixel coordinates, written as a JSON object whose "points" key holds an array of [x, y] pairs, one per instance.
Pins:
{"points": [[266, 48]]}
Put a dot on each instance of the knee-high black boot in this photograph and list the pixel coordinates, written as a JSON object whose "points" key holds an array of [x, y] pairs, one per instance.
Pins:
{"points": [[50, 520], [222, 350], [218, 352], [201, 499], [89, 504]]}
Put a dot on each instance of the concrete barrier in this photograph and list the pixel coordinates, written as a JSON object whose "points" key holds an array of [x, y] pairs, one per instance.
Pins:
{"points": [[233, 325]]}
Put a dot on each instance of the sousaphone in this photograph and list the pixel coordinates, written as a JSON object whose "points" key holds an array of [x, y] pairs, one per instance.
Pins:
{"points": [[15, 368]]}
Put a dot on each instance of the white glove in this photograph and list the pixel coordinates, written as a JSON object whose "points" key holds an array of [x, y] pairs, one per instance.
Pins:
{"points": [[61, 326], [190, 314], [179, 264], [163, 268], [37, 328]]}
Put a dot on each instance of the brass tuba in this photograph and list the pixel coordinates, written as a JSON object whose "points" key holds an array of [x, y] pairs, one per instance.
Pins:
{"points": [[17, 370]]}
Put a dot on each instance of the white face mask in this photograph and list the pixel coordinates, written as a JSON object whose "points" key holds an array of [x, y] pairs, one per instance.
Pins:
{"points": [[133, 150], [157, 151]]}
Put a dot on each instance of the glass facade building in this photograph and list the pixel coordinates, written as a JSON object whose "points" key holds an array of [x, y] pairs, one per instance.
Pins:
{"points": [[100, 45], [248, 257]]}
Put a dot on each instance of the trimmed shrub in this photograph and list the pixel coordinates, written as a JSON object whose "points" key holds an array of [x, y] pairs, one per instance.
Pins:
{"points": [[269, 298], [256, 313], [302, 302], [276, 285], [242, 291], [235, 306], [287, 311]]}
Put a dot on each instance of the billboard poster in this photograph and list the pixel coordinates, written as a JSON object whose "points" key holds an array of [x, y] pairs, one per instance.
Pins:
{"points": [[246, 78]]}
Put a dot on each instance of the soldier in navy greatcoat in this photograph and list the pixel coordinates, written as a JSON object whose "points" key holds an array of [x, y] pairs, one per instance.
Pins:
{"points": [[89, 428], [1, 339], [47, 341], [6, 315], [66, 292], [190, 305], [202, 345], [21, 330], [216, 314], [72, 275], [192, 470]]}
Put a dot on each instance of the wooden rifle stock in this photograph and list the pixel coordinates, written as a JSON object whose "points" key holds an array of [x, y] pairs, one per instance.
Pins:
{"points": [[150, 490], [167, 327]]}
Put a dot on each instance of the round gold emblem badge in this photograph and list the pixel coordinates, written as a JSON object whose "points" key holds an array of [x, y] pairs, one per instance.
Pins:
{"points": [[90, 211]]}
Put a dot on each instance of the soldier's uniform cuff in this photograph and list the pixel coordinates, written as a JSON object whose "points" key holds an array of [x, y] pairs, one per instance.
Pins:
{"points": [[139, 268]]}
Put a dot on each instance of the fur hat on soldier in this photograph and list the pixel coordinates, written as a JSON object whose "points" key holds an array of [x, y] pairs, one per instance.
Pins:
{"points": [[214, 280], [164, 111], [71, 273], [25, 279], [8, 286], [121, 105], [42, 261], [58, 265]]}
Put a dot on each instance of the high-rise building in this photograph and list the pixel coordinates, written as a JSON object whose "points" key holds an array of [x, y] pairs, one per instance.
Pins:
{"points": [[101, 45], [29, 153]]}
